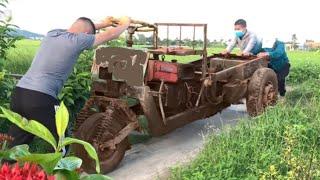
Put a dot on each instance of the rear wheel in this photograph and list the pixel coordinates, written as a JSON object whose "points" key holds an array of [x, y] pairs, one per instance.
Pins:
{"points": [[262, 91]]}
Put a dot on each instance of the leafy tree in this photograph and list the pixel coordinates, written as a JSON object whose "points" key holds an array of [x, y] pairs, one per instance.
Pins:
{"points": [[294, 41], [7, 39], [142, 39]]}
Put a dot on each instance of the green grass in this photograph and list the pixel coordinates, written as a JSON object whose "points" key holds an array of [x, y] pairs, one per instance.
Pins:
{"points": [[304, 66], [20, 58], [282, 143], [301, 57]]}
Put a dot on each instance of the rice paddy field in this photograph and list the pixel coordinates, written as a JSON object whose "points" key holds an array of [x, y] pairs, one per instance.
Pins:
{"points": [[283, 143]]}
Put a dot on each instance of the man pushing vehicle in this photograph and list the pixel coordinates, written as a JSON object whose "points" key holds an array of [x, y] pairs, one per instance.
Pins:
{"points": [[35, 96]]}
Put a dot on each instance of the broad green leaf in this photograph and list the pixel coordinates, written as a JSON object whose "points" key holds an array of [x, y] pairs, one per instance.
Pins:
{"points": [[62, 119], [87, 146], [47, 161], [30, 126], [70, 100], [66, 175], [68, 163], [95, 177], [18, 151]]}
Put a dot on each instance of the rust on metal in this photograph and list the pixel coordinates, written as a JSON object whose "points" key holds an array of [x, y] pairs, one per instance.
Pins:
{"points": [[120, 136], [269, 95], [125, 64]]}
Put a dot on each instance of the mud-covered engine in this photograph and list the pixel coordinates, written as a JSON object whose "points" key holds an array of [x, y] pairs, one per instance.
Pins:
{"points": [[174, 82]]}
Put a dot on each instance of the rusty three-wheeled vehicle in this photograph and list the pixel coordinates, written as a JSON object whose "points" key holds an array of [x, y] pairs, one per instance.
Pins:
{"points": [[136, 89]]}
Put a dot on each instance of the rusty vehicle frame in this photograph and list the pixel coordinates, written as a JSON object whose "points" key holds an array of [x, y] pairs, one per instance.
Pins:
{"points": [[125, 88]]}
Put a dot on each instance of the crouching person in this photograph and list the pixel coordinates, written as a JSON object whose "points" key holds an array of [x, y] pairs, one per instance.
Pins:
{"points": [[274, 51]]}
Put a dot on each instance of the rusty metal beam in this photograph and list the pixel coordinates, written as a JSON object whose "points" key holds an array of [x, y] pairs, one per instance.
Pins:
{"points": [[180, 24], [120, 136], [155, 123]]}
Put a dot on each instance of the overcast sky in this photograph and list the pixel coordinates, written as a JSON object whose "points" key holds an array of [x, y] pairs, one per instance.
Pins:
{"points": [[277, 18]]}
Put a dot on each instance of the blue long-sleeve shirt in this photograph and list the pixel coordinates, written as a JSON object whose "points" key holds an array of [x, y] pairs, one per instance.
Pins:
{"points": [[277, 54]]}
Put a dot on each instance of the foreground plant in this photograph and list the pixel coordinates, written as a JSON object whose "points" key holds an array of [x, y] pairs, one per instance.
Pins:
{"points": [[52, 163]]}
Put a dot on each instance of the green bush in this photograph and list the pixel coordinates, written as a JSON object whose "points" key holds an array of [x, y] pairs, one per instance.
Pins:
{"points": [[6, 87], [303, 72], [7, 40]]}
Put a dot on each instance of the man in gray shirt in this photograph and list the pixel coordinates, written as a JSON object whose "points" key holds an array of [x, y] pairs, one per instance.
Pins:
{"points": [[35, 96], [244, 39]]}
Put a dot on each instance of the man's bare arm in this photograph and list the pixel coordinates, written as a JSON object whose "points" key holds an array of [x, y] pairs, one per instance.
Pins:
{"points": [[112, 33]]}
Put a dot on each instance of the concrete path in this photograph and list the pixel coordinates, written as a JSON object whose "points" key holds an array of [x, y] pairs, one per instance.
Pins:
{"points": [[153, 158]]}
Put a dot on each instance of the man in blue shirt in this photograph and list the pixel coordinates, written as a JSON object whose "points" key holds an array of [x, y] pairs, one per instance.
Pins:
{"points": [[274, 50], [35, 96]]}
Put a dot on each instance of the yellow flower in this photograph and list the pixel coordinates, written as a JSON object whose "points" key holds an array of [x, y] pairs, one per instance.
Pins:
{"points": [[273, 170]]}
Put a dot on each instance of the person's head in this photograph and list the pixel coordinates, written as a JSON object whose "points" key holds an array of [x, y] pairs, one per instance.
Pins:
{"points": [[240, 27], [83, 25]]}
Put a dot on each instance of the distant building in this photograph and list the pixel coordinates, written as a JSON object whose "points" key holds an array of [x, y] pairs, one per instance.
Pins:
{"points": [[290, 46], [311, 45]]}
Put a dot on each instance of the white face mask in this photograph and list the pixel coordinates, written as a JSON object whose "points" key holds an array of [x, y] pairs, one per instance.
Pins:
{"points": [[268, 43]]}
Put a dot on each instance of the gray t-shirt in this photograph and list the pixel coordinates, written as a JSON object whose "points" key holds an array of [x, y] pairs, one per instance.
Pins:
{"points": [[55, 60]]}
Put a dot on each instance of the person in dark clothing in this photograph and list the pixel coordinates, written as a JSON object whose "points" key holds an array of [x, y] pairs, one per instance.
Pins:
{"points": [[275, 52]]}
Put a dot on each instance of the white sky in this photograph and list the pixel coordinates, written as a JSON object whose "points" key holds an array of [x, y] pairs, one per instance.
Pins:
{"points": [[280, 18]]}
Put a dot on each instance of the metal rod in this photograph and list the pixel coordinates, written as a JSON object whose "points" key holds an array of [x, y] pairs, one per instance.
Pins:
{"points": [[180, 36], [180, 24], [156, 30], [194, 36], [144, 30], [161, 104], [200, 94], [154, 39], [142, 23], [204, 56], [167, 36]]}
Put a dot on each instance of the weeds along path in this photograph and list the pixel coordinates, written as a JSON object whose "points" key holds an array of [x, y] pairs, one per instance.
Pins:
{"points": [[153, 158]]}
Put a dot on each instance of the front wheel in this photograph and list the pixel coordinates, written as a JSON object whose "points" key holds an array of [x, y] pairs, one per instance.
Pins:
{"points": [[262, 91], [99, 123]]}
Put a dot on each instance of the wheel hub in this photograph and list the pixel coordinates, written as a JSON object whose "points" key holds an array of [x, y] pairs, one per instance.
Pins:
{"points": [[269, 95]]}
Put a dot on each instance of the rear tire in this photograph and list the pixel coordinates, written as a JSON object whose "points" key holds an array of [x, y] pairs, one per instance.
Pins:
{"points": [[262, 91]]}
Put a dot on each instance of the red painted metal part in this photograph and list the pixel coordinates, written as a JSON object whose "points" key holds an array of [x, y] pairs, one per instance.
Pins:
{"points": [[162, 71]]}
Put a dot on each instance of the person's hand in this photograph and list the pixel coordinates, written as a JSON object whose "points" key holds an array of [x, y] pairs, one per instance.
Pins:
{"points": [[109, 21], [124, 21], [246, 54], [263, 54]]}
